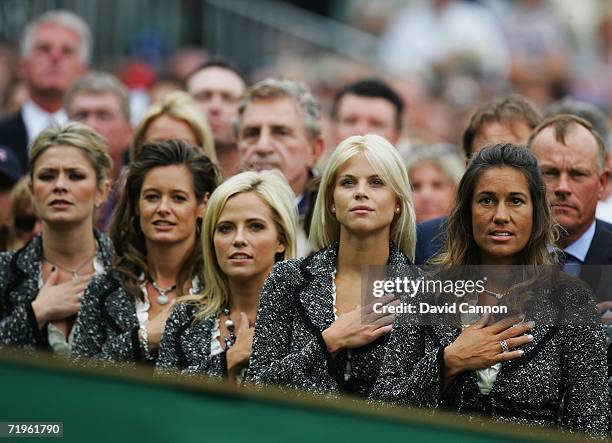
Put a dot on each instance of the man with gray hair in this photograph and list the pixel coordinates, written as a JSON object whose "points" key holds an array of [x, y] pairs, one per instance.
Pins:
{"points": [[279, 127], [55, 51], [102, 102]]}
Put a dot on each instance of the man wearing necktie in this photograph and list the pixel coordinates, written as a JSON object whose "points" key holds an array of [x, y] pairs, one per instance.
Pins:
{"points": [[571, 155]]}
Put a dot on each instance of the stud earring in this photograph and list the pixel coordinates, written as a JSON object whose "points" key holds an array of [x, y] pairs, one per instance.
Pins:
{"points": [[397, 210], [333, 209]]}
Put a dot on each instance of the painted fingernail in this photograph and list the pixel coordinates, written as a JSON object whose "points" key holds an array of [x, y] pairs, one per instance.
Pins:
{"points": [[521, 352], [530, 337], [531, 324]]}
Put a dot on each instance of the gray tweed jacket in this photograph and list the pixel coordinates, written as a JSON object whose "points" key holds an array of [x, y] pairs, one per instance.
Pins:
{"points": [[296, 305], [185, 346], [107, 327], [560, 380], [19, 277]]}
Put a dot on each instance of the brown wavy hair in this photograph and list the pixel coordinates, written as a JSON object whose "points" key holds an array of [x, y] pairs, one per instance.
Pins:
{"points": [[130, 258], [460, 248]]}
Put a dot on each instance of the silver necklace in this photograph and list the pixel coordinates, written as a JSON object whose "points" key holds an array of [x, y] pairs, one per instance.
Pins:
{"points": [[497, 295], [163, 298], [74, 272]]}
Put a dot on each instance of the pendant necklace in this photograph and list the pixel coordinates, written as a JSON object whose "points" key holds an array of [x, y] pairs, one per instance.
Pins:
{"points": [[74, 272], [163, 298], [229, 324]]}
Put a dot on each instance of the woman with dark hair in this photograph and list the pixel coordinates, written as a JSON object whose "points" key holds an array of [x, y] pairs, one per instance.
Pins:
{"points": [[158, 256], [548, 369], [42, 284], [311, 332], [250, 223]]}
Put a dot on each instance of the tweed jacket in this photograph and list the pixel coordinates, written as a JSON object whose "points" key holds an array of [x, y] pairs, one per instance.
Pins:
{"points": [[560, 380], [296, 305], [107, 327], [185, 346], [19, 278]]}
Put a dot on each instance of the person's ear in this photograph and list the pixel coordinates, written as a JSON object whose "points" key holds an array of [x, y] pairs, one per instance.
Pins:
{"points": [[203, 205], [603, 183], [317, 146], [103, 192]]}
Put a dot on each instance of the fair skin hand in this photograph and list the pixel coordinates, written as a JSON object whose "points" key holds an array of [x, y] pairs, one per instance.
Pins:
{"points": [[358, 327], [605, 310], [478, 346], [56, 301], [239, 354]]}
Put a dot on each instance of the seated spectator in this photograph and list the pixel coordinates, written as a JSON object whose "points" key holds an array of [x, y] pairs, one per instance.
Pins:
{"points": [[250, 224], [549, 369], [158, 256], [175, 117], [10, 170], [42, 284], [434, 173]]}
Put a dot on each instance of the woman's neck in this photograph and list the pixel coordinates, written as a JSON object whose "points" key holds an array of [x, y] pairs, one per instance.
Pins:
{"points": [[355, 252], [244, 295], [166, 261], [68, 245]]}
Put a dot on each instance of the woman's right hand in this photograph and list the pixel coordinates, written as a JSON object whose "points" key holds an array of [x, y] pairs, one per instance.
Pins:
{"points": [[479, 345], [239, 354], [58, 301], [357, 328]]}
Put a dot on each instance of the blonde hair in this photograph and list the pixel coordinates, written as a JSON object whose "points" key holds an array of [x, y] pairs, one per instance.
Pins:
{"points": [[180, 106], [274, 190], [74, 135], [442, 156], [387, 163]]}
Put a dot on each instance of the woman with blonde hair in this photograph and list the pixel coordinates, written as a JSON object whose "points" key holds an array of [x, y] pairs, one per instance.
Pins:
{"points": [[158, 258], [42, 284], [310, 333], [176, 116], [434, 173], [250, 224]]}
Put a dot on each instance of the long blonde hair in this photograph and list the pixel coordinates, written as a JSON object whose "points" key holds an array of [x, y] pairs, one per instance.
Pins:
{"points": [[274, 190], [386, 161]]}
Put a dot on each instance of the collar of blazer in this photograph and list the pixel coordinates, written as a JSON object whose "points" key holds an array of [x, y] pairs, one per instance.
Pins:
{"points": [[315, 293]]}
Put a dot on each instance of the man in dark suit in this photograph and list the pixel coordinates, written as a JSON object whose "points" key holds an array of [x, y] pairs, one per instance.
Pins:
{"points": [[571, 155], [55, 51], [506, 120]]}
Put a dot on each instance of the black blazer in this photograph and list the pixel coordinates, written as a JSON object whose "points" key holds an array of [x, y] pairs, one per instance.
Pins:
{"points": [[595, 271], [14, 135], [430, 239]]}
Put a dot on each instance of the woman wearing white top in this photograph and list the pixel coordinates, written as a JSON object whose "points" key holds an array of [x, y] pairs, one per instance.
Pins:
{"points": [[155, 233], [250, 224], [42, 284]]}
